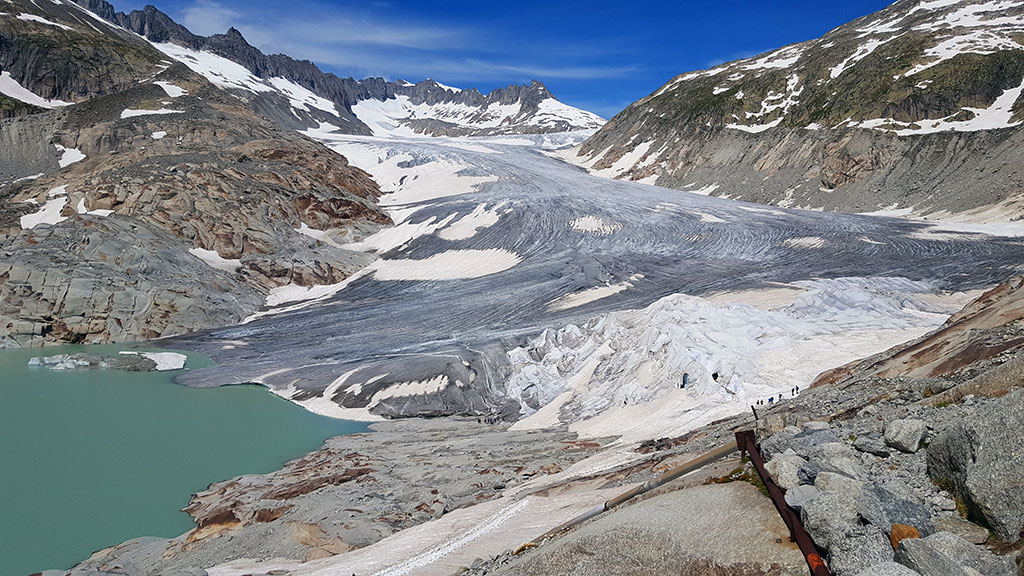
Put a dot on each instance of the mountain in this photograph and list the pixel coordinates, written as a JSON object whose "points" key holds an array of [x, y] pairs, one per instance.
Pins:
{"points": [[909, 107], [172, 163], [137, 200], [297, 94]]}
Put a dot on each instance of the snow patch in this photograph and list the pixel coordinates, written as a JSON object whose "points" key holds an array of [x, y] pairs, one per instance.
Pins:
{"points": [[861, 53], [12, 89], [69, 155], [41, 20], [388, 239], [411, 388], [592, 294], [302, 98], [130, 113], [171, 90], [218, 70], [214, 260], [594, 225], [466, 227], [164, 360], [158, 135], [49, 214], [805, 242], [710, 218], [450, 265]]}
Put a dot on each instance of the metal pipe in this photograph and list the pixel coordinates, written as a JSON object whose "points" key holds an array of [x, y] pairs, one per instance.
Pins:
{"points": [[746, 442], [691, 466]]}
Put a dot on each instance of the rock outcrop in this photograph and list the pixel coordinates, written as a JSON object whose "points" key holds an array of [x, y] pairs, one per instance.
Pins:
{"points": [[352, 492], [165, 207], [980, 460]]}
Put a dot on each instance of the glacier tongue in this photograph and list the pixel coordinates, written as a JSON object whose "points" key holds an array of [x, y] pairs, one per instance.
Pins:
{"points": [[622, 373]]}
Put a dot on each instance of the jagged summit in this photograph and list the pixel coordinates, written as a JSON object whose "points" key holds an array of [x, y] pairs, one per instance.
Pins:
{"points": [[297, 94], [432, 108], [839, 111]]}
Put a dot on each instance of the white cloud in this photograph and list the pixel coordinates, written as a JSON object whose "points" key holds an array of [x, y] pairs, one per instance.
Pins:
{"points": [[367, 43], [206, 17]]}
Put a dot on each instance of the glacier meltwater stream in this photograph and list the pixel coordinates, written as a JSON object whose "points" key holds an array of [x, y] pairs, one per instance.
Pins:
{"points": [[94, 457]]}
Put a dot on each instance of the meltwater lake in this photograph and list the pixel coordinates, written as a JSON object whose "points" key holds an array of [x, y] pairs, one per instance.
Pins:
{"points": [[90, 458]]}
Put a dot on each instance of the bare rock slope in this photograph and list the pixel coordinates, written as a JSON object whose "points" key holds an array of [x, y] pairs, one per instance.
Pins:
{"points": [[164, 207], [916, 106]]}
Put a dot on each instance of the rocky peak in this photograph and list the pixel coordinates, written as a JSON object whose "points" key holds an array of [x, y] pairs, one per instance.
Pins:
{"points": [[344, 93], [64, 55], [153, 25]]}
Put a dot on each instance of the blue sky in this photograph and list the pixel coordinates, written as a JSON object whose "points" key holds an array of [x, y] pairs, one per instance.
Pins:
{"points": [[596, 55]]}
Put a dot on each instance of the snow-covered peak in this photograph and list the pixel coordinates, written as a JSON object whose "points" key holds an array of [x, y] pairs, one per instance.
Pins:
{"points": [[407, 116], [442, 86]]}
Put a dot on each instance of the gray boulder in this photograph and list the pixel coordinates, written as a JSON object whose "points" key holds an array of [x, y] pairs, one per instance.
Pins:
{"points": [[833, 482], [784, 469], [860, 548], [980, 460], [829, 517], [888, 569], [872, 446], [798, 496], [971, 556], [883, 508], [804, 443], [927, 560], [905, 435], [838, 457], [965, 529]]}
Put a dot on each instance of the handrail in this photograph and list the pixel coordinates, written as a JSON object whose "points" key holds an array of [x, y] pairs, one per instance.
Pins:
{"points": [[746, 442]]}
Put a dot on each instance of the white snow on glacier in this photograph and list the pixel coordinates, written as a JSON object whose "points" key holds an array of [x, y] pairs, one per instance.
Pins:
{"points": [[622, 373]]}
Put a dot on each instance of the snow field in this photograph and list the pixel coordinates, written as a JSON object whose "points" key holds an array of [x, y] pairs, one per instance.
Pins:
{"points": [[214, 260], [12, 89], [621, 373]]}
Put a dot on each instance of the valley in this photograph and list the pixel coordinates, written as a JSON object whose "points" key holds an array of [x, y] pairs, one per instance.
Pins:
{"points": [[529, 309]]}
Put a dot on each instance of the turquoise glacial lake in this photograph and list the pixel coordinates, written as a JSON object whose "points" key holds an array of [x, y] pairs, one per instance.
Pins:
{"points": [[90, 458]]}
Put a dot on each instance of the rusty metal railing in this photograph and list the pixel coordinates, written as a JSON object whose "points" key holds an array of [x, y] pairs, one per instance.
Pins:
{"points": [[746, 443]]}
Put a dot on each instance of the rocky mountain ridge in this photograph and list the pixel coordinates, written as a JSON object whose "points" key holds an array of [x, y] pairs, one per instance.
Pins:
{"points": [[904, 108], [538, 111]]}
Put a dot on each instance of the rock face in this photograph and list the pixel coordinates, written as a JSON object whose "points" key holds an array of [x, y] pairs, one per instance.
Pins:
{"points": [[76, 59], [649, 538], [165, 207], [981, 459], [895, 109]]}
